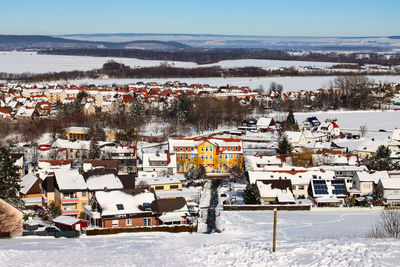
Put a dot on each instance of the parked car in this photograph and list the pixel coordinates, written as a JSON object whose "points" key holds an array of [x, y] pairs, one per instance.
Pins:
{"points": [[52, 229]]}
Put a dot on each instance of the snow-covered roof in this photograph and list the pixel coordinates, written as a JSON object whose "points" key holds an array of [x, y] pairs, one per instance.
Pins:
{"points": [[99, 182], [158, 180], [296, 177], [259, 162], [66, 220], [283, 195], [365, 176], [396, 134], [293, 137], [27, 182], [390, 183], [76, 128], [195, 142], [263, 122], [70, 179], [130, 203], [172, 217]]}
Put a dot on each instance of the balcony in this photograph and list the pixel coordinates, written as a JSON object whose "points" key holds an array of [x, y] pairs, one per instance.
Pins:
{"points": [[70, 201], [70, 212]]}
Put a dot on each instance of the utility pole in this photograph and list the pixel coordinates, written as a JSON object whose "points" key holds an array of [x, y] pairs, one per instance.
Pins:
{"points": [[274, 232]]}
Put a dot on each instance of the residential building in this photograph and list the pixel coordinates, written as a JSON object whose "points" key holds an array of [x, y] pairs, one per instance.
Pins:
{"points": [[217, 155], [391, 190], [366, 182], [10, 219]]}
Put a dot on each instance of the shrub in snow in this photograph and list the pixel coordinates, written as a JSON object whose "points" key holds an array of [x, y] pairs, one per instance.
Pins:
{"points": [[387, 226], [251, 194]]}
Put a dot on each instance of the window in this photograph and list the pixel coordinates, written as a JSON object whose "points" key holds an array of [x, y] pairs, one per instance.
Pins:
{"points": [[294, 187], [115, 223], [68, 195], [84, 193], [211, 148], [128, 222], [366, 186], [186, 157], [206, 156], [173, 187], [68, 206], [211, 156], [207, 148], [160, 187], [147, 221], [220, 156], [202, 149], [301, 187], [120, 207], [201, 156]]}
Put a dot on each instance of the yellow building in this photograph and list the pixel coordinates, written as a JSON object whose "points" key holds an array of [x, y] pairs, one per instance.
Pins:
{"points": [[70, 192], [76, 133], [217, 155], [82, 133]]}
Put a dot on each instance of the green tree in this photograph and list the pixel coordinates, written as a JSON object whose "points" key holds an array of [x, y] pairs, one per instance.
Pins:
{"points": [[82, 94], [53, 210], [96, 131], [9, 177], [237, 174], [284, 146], [137, 109], [252, 194], [291, 123], [381, 161], [94, 150]]}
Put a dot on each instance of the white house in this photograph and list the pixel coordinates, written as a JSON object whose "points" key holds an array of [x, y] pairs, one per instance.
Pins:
{"points": [[366, 182], [391, 190]]}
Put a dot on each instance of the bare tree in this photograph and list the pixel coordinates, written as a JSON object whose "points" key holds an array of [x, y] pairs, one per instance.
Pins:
{"points": [[390, 222], [363, 130]]}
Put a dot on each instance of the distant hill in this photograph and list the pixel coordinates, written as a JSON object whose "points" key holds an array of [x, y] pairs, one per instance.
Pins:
{"points": [[304, 43], [39, 42]]}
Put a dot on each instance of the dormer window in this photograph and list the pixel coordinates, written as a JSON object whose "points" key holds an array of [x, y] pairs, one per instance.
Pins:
{"points": [[120, 207], [147, 206]]}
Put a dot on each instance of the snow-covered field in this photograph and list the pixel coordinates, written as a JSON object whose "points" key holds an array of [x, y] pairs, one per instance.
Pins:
{"points": [[288, 83], [18, 62], [312, 238], [374, 120]]}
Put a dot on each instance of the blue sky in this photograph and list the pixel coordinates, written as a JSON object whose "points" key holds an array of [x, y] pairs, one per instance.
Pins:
{"points": [[236, 17]]}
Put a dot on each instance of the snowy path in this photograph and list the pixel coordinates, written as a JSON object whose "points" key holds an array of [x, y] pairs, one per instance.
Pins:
{"points": [[315, 238]]}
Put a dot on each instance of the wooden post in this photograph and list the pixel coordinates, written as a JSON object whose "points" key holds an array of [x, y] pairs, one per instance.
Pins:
{"points": [[274, 238]]}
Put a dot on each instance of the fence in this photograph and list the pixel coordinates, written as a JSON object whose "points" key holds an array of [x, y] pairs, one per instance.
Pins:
{"points": [[69, 234], [266, 207], [170, 229]]}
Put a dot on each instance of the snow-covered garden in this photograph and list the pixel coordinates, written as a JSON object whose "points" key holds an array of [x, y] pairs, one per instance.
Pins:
{"points": [[314, 238]]}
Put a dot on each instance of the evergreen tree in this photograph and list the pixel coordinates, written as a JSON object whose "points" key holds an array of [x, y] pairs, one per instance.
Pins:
{"points": [[291, 123], [96, 131], [53, 210], [237, 174], [137, 109], [94, 150], [284, 146], [251, 194], [382, 161], [9, 177]]}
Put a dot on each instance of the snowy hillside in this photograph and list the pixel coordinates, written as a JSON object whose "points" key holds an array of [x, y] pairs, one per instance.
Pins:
{"points": [[315, 238]]}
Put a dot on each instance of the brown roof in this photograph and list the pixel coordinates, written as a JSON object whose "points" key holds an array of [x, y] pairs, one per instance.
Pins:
{"points": [[108, 164], [279, 184], [49, 184], [128, 181], [168, 205]]}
